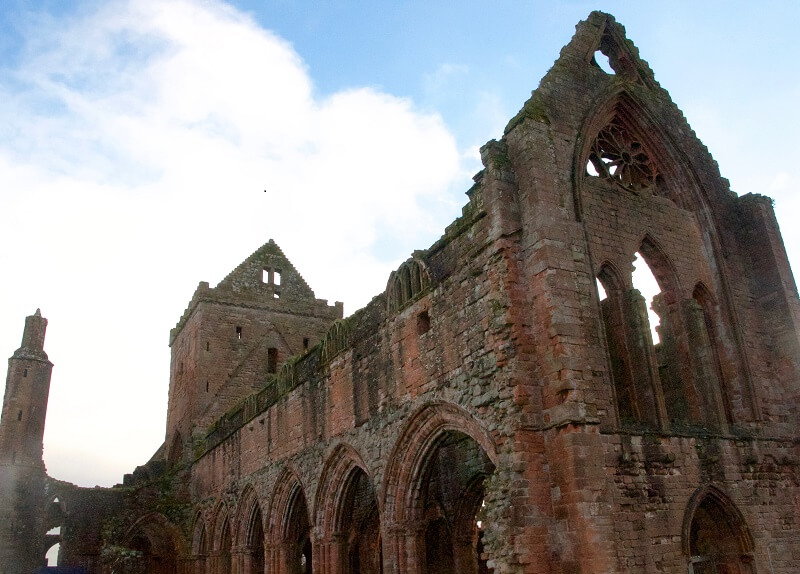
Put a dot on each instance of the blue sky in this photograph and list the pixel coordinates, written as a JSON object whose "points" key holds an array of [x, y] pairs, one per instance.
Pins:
{"points": [[146, 146]]}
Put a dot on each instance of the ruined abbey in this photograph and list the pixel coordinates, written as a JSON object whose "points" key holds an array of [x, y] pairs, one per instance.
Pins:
{"points": [[502, 406]]}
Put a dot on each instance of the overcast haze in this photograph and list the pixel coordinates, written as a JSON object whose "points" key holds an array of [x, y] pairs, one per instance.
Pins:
{"points": [[146, 146]]}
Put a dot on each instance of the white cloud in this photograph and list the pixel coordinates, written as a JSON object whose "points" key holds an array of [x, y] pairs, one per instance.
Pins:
{"points": [[139, 141]]}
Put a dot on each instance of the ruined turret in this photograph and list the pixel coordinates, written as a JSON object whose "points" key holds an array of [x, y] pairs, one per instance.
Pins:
{"points": [[22, 472]]}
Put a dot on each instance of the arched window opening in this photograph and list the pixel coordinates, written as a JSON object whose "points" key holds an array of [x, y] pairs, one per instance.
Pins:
{"points": [[224, 558], [296, 537], [55, 515], [203, 544], [54, 522], [405, 284], [673, 378], [255, 542], [644, 280], [360, 525], [706, 346], [200, 544], [155, 548], [451, 498], [636, 315], [405, 281], [718, 540], [613, 309]]}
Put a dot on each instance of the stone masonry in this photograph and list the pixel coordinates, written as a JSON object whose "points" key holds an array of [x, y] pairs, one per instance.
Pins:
{"points": [[503, 406]]}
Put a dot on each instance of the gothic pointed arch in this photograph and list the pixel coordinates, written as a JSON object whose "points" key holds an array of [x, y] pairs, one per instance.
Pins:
{"points": [[340, 463], [661, 265], [610, 276], [419, 435], [624, 149], [687, 377], [613, 311], [406, 283], [250, 531], [336, 340], [200, 537], [248, 506], [218, 514], [289, 526], [55, 512], [159, 541], [440, 458], [709, 350], [347, 514], [715, 536], [221, 538]]}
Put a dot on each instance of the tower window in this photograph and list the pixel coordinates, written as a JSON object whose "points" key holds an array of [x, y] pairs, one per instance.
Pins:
{"points": [[272, 360], [271, 276], [238, 332], [25, 373], [19, 416], [208, 345], [305, 343]]}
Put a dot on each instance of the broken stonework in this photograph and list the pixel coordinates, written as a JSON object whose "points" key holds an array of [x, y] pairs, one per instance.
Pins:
{"points": [[503, 407]]}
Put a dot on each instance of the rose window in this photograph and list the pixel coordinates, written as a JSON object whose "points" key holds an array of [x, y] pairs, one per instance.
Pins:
{"points": [[617, 156]]}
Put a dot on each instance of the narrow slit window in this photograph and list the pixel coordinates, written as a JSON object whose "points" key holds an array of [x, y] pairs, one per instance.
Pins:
{"points": [[238, 332], [423, 323], [305, 343], [208, 345], [206, 386], [19, 416], [25, 373], [272, 360]]}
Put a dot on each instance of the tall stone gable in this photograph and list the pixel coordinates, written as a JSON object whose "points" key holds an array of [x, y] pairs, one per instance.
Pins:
{"points": [[504, 406]]}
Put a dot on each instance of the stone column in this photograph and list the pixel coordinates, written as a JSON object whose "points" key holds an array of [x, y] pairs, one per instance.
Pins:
{"points": [[643, 364]]}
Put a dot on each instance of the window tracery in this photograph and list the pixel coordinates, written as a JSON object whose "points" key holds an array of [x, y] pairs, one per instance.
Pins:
{"points": [[619, 157]]}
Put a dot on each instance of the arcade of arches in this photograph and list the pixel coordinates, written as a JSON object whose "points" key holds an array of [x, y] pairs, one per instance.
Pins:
{"points": [[436, 528], [488, 411]]}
